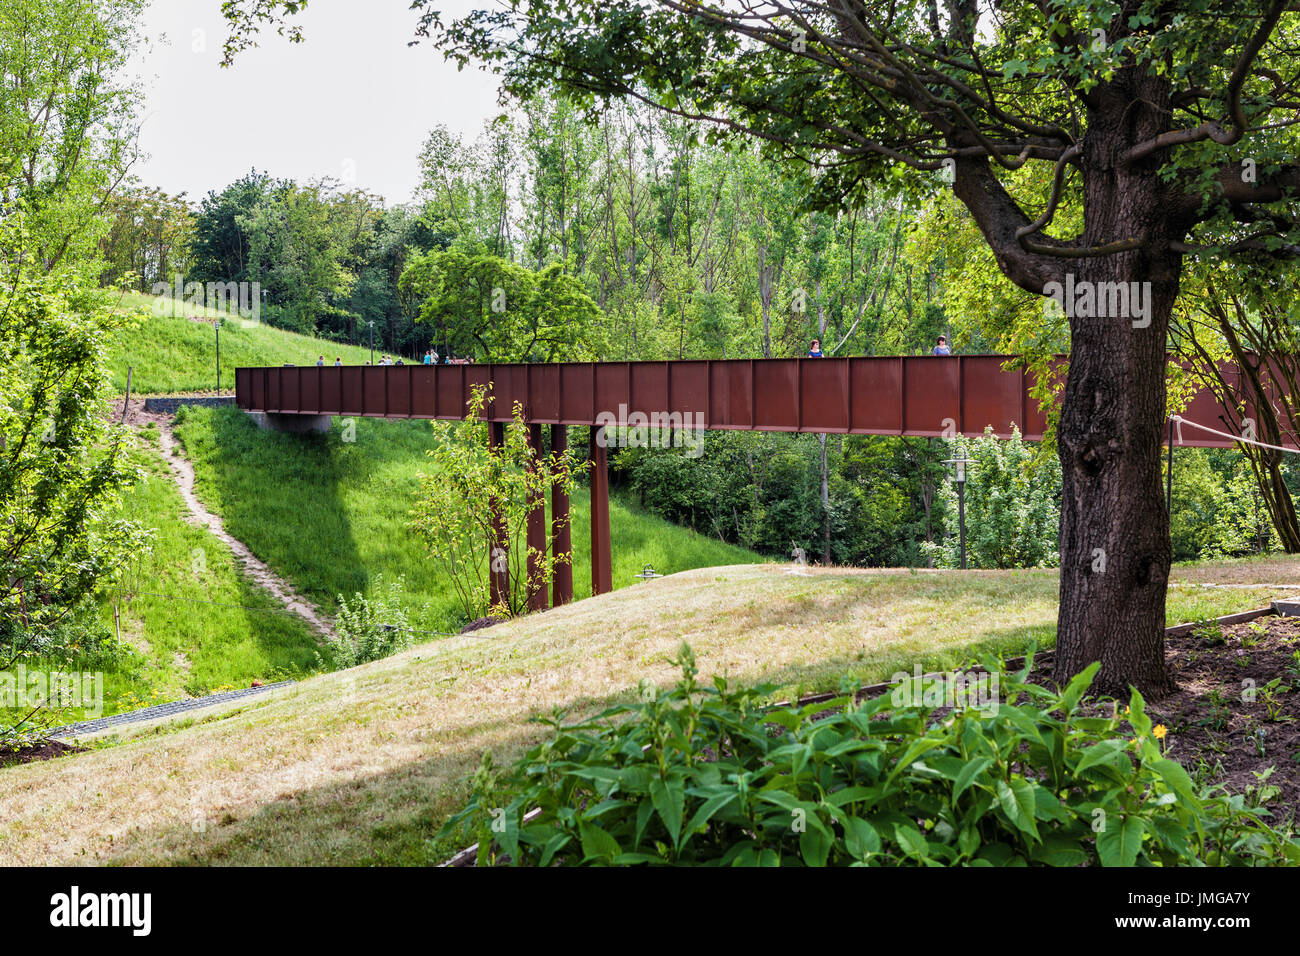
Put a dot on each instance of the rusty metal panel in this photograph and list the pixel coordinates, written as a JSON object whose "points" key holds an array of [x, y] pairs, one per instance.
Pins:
{"points": [[273, 389], [510, 385], [613, 386], [824, 394], [351, 383], [776, 396], [876, 393], [577, 393], [451, 391], [731, 394], [1034, 414], [374, 390], [291, 389], [309, 389], [931, 394], [990, 396], [399, 391], [648, 387], [243, 393], [331, 390], [544, 393], [480, 376], [424, 393], [688, 389]]}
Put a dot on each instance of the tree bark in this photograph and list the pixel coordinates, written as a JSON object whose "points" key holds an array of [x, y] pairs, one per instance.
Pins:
{"points": [[1114, 540]]}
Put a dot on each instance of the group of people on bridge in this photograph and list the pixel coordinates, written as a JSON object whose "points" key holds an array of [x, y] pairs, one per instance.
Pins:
{"points": [[940, 348]]}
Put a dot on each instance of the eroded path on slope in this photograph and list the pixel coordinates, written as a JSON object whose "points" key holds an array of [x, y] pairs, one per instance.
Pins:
{"points": [[182, 472]]}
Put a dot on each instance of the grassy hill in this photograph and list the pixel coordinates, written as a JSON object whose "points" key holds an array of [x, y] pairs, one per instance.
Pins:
{"points": [[329, 516], [363, 766], [332, 515], [190, 623], [170, 352]]}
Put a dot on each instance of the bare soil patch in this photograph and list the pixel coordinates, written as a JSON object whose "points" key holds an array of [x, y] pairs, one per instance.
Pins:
{"points": [[1228, 722], [30, 753]]}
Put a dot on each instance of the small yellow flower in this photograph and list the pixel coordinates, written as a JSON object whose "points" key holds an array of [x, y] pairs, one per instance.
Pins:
{"points": [[1159, 731]]}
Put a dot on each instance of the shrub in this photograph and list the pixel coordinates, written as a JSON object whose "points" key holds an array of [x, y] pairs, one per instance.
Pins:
{"points": [[371, 628], [708, 776]]}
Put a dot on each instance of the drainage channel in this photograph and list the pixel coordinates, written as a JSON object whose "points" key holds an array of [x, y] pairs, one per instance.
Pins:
{"points": [[159, 710]]}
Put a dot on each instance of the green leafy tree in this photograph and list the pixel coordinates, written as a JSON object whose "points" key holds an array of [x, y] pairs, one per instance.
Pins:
{"points": [[62, 463], [500, 311], [473, 509], [68, 119], [1011, 507]]}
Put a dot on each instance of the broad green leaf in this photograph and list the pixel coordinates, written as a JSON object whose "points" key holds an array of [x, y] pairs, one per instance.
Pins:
{"points": [[1119, 842], [968, 775], [596, 843], [1017, 801]]}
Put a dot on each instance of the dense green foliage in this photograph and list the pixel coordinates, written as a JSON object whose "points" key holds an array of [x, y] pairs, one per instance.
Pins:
{"points": [[1012, 510], [371, 628], [62, 464], [475, 503], [709, 776]]}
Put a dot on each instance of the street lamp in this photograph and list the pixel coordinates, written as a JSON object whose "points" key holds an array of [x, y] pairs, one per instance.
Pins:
{"points": [[372, 341], [959, 477]]}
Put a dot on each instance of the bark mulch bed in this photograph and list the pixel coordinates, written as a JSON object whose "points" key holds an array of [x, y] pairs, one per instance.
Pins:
{"points": [[480, 624], [41, 750], [1225, 724]]}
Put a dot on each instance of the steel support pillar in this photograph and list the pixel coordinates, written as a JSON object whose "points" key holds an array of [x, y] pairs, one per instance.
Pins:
{"points": [[561, 535], [535, 505], [498, 543], [602, 575]]}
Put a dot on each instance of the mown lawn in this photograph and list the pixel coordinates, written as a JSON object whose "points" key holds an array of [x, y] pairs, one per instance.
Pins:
{"points": [[363, 766], [169, 352], [331, 516]]}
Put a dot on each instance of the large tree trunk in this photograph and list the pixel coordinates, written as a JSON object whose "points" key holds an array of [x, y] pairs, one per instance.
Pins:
{"points": [[1115, 550]]}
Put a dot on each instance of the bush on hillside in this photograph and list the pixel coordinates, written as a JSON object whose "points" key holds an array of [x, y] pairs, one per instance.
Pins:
{"points": [[373, 628], [707, 776]]}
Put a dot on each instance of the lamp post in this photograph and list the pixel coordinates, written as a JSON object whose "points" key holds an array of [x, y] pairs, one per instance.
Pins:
{"points": [[372, 341], [959, 478]]}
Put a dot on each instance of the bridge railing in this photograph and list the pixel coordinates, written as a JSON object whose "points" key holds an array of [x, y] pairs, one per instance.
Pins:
{"points": [[886, 395]]}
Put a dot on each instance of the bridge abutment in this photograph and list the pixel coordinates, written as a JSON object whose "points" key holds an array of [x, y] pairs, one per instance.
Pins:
{"points": [[293, 424]]}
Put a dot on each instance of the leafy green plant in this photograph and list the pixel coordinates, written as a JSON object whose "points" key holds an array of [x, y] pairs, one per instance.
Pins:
{"points": [[1220, 714], [371, 628], [1210, 633], [1270, 694], [709, 776], [473, 508]]}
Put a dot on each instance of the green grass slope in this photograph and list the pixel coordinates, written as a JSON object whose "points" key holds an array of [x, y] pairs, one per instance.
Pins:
{"points": [[169, 352], [190, 623], [331, 515]]}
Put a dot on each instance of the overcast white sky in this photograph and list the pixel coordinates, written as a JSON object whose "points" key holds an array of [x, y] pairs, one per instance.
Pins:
{"points": [[353, 98]]}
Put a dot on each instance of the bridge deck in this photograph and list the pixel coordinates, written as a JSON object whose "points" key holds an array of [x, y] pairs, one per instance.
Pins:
{"points": [[929, 396]]}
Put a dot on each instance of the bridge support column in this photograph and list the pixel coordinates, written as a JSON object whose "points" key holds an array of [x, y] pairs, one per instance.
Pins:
{"points": [[602, 574], [561, 534], [535, 505], [498, 542]]}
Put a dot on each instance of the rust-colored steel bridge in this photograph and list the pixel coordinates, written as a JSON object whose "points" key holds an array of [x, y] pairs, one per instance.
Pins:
{"points": [[933, 396]]}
